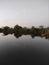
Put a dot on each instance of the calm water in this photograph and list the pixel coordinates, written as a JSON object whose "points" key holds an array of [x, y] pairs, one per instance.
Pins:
{"points": [[24, 50]]}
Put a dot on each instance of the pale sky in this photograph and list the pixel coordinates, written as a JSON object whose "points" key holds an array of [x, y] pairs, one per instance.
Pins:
{"points": [[24, 12]]}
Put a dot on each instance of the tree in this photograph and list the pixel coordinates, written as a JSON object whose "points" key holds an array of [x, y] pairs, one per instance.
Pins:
{"points": [[11, 30], [42, 29], [17, 29], [32, 30], [1, 29], [6, 30]]}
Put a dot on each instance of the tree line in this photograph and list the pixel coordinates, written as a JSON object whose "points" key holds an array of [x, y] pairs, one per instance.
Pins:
{"points": [[18, 30]]}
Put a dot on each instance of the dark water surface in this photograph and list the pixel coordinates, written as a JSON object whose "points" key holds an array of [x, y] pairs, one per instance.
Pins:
{"points": [[24, 50]]}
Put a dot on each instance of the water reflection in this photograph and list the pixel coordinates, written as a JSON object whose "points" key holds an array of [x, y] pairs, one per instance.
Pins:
{"points": [[24, 51], [17, 35], [32, 35]]}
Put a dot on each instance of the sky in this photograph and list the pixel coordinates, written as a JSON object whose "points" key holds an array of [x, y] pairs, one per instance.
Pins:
{"points": [[25, 13]]}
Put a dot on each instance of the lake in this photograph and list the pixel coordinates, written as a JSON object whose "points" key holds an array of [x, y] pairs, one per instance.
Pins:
{"points": [[23, 50]]}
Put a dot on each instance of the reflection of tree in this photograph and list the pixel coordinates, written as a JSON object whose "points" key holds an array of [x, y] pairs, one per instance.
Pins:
{"points": [[33, 36], [5, 33], [17, 35], [47, 37], [41, 36]]}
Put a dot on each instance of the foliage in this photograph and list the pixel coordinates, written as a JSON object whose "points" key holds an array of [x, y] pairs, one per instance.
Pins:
{"points": [[1, 30], [6, 30], [18, 31]]}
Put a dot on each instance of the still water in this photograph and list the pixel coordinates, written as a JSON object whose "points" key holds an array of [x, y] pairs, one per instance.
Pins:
{"points": [[24, 50]]}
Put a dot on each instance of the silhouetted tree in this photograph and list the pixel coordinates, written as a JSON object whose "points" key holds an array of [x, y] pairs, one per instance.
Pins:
{"points": [[1, 30], [11, 30], [32, 30], [42, 29], [17, 29], [6, 30]]}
